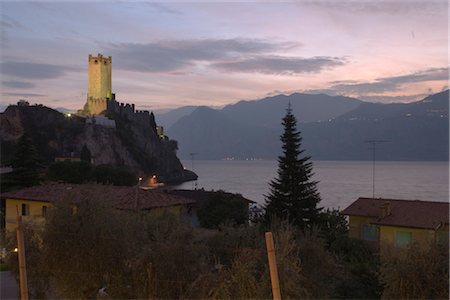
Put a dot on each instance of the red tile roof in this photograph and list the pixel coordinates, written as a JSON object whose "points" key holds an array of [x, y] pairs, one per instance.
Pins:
{"points": [[122, 197], [404, 213]]}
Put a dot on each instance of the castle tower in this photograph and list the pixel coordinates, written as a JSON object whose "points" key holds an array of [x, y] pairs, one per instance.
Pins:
{"points": [[99, 85], [99, 77]]}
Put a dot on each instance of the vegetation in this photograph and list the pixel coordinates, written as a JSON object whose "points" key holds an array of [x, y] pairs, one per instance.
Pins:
{"points": [[415, 273], [221, 208], [85, 154], [25, 164], [82, 172], [85, 245], [293, 195]]}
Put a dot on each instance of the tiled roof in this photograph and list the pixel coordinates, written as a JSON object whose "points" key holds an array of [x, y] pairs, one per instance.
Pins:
{"points": [[122, 197], [404, 213], [201, 195]]}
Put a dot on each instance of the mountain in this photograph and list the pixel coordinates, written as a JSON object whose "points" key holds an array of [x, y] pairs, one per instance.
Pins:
{"points": [[167, 119], [268, 112], [335, 128]]}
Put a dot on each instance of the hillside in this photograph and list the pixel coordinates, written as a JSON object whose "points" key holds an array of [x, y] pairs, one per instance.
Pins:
{"points": [[333, 128], [130, 143]]}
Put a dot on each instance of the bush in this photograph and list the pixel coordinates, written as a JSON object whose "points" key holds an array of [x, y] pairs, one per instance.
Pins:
{"points": [[70, 171], [415, 273], [107, 174], [221, 208], [82, 172]]}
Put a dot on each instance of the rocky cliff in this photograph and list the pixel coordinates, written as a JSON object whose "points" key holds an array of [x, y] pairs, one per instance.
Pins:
{"points": [[130, 143]]}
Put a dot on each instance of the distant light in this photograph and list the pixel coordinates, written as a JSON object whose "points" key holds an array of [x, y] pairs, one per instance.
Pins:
{"points": [[16, 250], [154, 176], [69, 115], [140, 178]]}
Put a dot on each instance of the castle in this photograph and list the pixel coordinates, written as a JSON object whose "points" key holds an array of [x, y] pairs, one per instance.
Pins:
{"points": [[101, 100]]}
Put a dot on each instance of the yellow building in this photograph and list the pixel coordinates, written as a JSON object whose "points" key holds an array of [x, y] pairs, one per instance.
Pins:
{"points": [[398, 223], [32, 203]]}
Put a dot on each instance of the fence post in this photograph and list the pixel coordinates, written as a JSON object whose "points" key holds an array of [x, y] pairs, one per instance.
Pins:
{"points": [[273, 266], [22, 261]]}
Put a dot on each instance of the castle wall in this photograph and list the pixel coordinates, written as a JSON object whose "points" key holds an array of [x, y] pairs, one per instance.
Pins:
{"points": [[96, 106]]}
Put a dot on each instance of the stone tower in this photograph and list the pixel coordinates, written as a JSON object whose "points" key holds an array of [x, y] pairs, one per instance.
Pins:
{"points": [[99, 77], [99, 84]]}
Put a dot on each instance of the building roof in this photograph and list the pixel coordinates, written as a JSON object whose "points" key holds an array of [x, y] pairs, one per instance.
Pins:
{"points": [[200, 196], [121, 197], [403, 213]]}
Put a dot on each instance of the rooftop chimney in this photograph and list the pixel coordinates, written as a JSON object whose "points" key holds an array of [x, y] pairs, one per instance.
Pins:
{"points": [[385, 209]]}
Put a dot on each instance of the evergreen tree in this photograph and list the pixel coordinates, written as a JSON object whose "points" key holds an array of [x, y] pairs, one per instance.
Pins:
{"points": [[293, 195], [25, 163], [85, 154]]}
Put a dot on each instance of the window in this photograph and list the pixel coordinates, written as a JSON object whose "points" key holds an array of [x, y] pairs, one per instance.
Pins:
{"points": [[403, 238], [44, 211], [442, 238], [370, 232], [25, 209]]}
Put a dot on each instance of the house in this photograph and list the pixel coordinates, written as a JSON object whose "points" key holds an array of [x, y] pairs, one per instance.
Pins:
{"points": [[398, 223], [33, 202]]}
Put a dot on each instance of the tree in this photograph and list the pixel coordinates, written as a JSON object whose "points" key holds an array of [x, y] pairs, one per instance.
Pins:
{"points": [[85, 154], [222, 207], [70, 171], [25, 163], [293, 195]]}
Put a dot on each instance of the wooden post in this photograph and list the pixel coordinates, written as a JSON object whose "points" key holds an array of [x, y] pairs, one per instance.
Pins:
{"points": [[149, 284], [22, 262], [273, 266]]}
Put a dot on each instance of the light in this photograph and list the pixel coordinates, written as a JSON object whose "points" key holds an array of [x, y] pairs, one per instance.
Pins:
{"points": [[16, 250], [154, 176], [140, 178], [69, 115]]}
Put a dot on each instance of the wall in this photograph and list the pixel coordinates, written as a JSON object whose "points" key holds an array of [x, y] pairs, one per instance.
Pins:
{"points": [[420, 236], [35, 214], [355, 226]]}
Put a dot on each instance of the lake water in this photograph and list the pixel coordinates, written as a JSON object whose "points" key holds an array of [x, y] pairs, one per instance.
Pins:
{"points": [[340, 182]]}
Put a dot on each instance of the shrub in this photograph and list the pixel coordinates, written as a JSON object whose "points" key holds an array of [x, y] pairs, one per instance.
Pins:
{"points": [[221, 208]]}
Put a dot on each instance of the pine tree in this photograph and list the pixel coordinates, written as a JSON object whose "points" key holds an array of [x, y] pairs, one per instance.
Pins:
{"points": [[85, 154], [293, 195], [25, 163]]}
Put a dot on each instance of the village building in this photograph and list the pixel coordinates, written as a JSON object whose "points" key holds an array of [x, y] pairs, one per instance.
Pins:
{"points": [[33, 203], [388, 223]]}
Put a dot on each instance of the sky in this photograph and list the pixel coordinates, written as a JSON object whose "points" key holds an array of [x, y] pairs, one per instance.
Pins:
{"points": [[171, 54]]}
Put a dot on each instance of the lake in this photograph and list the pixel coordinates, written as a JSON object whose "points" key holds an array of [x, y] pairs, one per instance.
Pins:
{"points": [[340, 182]]}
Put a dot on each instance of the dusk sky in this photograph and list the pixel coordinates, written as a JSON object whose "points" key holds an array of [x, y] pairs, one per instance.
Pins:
{"points": [[210, 53]]}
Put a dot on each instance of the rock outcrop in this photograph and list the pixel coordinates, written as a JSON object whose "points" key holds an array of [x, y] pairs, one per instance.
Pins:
{"points": [[130, 143]]}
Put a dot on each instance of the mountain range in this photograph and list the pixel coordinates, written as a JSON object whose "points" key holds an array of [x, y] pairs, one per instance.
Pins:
{"points": [[332, 127]]}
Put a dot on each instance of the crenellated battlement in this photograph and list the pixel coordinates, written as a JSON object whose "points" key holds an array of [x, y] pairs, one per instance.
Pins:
{"points": [[101, 100], [143, 117]]}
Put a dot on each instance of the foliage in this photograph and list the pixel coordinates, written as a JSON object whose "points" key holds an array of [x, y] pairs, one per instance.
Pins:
{"points": [[25, 163], [318, 264], [333, 225], [222, 207], [37, 269], [85, 246], [292, 194], [108, 174], [82, 171], [415, 273], [70, 171], [359, 277], [85, 154]]}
